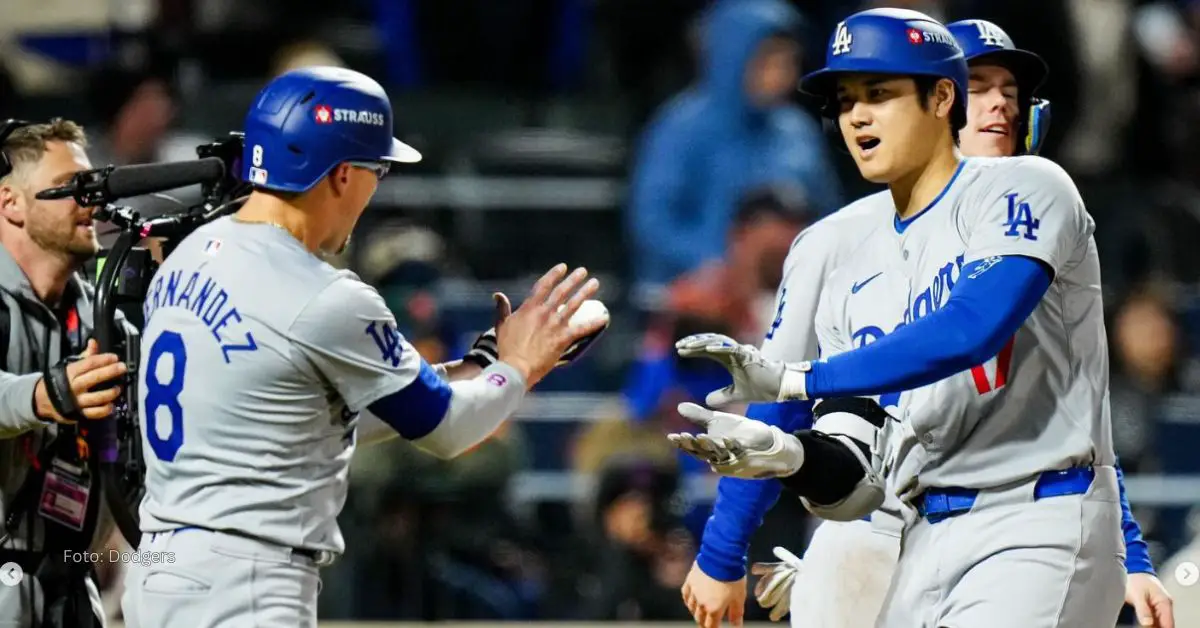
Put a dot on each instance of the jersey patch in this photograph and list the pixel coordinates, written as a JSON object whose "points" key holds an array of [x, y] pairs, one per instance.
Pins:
{"points": [[1020, 219], [388, 339]]}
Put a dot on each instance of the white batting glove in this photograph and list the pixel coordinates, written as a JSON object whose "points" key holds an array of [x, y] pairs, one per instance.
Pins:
{"points": [[754, 377], [774, 588], [739, 447]]}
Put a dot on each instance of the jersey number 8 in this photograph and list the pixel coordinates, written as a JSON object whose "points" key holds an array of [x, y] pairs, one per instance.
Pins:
{"points": [[162, 396]]}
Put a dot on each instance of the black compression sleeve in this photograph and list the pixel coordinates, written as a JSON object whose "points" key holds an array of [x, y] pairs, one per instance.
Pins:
{"points": [[830, 471]]}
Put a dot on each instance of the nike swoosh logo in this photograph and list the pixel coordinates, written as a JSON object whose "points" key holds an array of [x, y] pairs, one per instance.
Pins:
{"points": [[859, 286]]}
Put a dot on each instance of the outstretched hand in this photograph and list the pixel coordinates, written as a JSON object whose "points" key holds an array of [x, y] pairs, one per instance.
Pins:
{"points": [[534, 337], [754, 377], [739, 447]]}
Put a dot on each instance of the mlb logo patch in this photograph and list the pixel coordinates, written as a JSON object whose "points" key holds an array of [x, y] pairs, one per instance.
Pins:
{"points": [[212, 247], [258, 175], [323, 114]]}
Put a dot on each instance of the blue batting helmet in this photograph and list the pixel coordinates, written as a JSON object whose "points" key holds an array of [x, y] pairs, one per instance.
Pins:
{"points": [[891, 41], [984, 42], [307, 121]]}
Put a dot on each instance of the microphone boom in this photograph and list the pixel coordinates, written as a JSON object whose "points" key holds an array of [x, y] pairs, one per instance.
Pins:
{"points": [[105, 185]]}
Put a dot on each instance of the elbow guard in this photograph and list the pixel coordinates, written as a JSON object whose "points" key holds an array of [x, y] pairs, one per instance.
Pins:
{"points": [[839, 480]]}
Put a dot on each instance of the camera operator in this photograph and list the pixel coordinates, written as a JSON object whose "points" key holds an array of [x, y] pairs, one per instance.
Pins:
{"points": [[51, 493]]}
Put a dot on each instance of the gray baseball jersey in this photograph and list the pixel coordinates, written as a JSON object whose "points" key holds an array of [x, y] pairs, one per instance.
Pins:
{"points": [[256, 359], [814, 254], [1042, 402], [813, 258]]}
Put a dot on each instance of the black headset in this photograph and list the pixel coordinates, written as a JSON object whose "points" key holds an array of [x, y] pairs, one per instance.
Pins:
{"points": [[7, 129]]}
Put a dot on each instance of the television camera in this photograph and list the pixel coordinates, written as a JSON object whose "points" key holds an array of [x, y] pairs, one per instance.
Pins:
{"points": [[124, 273]]}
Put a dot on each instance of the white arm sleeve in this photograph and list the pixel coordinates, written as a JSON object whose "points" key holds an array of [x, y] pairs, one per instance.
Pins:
{"points": [[477, 407]]}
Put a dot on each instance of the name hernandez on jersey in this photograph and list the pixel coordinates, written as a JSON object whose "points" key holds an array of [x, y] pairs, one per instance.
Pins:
{"points": [[260, 441], [208, 301], [1040, 402]]}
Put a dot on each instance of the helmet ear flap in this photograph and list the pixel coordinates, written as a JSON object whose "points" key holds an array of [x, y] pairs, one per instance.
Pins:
{"points": [[1035, 126]]}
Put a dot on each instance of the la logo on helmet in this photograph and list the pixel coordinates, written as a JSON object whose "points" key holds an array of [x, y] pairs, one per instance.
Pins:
{"points": [[842, 40], [989, 35]]}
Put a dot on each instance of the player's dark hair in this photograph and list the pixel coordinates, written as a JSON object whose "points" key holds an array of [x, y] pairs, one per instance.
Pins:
{"points": [[925, 88]]}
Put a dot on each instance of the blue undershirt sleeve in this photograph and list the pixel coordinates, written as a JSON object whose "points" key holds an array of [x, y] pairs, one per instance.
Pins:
{"points": [[1137, 553], [742, 504]]}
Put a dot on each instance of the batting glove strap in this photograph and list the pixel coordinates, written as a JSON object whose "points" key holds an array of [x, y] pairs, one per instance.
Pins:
{"points": [[484, 352], [793, 385], [784, 458]]}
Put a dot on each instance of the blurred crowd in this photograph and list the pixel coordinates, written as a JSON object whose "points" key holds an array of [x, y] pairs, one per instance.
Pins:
{"points": [[662, 144]]}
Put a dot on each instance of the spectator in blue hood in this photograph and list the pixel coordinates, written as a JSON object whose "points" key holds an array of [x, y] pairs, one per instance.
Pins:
{"points": [[731, 131]]}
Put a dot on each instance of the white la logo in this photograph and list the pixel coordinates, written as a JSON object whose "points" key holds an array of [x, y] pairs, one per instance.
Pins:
{"points": [[842, 39], [990, 35]]}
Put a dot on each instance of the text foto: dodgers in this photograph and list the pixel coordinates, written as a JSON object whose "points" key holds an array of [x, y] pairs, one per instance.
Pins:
{"points": [[118, 556]]}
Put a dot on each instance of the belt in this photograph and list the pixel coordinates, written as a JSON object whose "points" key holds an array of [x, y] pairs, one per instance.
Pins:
{"points": [[937, 504], [319, 557]]}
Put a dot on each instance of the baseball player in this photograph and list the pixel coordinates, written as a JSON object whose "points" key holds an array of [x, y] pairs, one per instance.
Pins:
{"points": [[843, 577], [980, 279], [260, 359]]}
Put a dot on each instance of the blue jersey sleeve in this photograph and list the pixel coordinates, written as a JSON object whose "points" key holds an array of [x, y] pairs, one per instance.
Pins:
{"points": [[742, 504], [990, 302], [1137, 553]]}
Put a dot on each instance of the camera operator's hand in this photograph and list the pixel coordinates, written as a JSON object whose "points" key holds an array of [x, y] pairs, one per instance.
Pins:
{"points": [[90, 369], [535, 336]]}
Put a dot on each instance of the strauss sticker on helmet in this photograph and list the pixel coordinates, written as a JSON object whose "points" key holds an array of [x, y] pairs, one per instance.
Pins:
{"points": [[936, 37], [323, 114], [373, 118]]}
